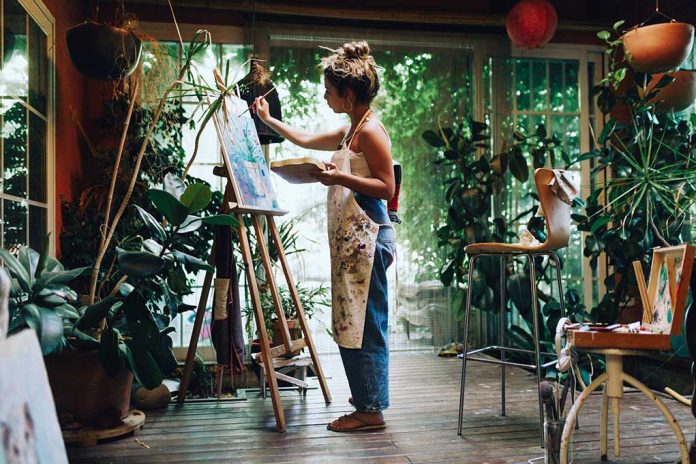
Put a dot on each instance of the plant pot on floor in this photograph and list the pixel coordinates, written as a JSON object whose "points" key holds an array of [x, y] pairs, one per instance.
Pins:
{"points": [[295, 333], [84, 393]]}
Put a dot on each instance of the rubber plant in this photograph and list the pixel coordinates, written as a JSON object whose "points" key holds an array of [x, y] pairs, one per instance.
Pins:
{"points": [[474, 195], [131, 324], [645, 180]]}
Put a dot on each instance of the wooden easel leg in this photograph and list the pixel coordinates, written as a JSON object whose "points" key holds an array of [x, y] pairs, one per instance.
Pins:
{"points": [[300, 311], [198, 323], [266, 357]]}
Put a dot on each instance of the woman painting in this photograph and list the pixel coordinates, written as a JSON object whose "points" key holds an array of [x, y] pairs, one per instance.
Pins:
{"points": [[361, 239]]}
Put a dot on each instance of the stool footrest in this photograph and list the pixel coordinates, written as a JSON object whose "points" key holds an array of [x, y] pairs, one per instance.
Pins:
{"points": [[470, 357]]}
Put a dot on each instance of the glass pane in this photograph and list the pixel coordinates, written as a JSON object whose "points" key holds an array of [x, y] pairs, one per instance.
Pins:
{"points": [[38, 67], [14, 135], [38, 228], [571, 86], [539, 89], [233, 57], [556, 88], [14, 80], [37, 158], [14, 224], [522, 84]]}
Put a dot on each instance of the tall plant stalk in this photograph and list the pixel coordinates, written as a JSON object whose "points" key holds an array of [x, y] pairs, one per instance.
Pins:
{"points": [[194, 49]]}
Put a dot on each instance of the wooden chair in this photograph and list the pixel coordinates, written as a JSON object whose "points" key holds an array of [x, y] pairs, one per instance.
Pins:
{"points": [[557, 215]]}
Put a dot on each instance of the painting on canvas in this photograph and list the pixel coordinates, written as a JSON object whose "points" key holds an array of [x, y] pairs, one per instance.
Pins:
{"points": [[29, 430], [240, 144], [668, 288]]}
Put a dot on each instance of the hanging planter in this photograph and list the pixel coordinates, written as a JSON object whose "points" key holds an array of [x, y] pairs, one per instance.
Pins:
{"points": [[676, 96], [531, 23], [658, 47], [103, 52]]}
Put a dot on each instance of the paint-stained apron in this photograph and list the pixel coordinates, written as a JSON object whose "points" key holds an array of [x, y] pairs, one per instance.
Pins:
{"points": [[352, 243]]}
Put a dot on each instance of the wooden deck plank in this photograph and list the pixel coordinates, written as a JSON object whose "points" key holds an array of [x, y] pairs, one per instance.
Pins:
{"points": [[421, 425]]}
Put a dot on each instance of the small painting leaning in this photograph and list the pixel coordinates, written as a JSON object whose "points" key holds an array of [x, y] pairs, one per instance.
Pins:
{"points": [[239, 141]]}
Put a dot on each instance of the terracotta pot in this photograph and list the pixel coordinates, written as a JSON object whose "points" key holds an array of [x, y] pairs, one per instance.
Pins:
{"points": [[658, 47], [676, 96], [103, 52], [84, 392]]}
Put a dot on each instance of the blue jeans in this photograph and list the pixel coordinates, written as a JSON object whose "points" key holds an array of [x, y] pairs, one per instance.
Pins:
{"points": [[367, 368]]}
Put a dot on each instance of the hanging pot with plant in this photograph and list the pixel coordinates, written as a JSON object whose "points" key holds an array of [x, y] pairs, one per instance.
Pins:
{"points": [[103, 52], [678, 95], [658, 47]]}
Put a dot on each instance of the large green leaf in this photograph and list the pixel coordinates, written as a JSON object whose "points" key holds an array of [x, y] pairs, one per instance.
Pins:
{"points": [[61, 277], [518, 165], [140, 321], [433, 139], [95, 313], [16, 270], [221, 220], [196, 197], [110, 353], [43, 259], [151, 223], [142, 364], [29, 259], [192, 263], [32, 317], [170, 207], [51, 330], [139, 264]]}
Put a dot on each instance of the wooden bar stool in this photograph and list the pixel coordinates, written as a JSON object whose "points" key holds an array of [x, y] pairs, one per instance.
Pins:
{"points": [[557, 215]]}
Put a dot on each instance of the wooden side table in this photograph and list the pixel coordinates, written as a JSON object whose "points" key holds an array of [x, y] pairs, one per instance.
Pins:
{"points": [[613, 380]]}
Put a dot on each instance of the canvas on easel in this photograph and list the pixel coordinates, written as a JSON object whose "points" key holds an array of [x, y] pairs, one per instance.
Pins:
{"points": [[249, 193], [251, 179]]}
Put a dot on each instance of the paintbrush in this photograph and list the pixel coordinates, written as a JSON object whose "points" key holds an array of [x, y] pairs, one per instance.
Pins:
{"points": [[252, 105]]}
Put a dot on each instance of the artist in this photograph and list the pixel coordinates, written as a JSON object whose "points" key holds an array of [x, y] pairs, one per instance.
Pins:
{"points": [[361, 238]]}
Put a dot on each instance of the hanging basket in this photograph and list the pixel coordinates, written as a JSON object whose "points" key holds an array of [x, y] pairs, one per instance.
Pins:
{"points": [[658, 47], [103, 52], [676, 96]]}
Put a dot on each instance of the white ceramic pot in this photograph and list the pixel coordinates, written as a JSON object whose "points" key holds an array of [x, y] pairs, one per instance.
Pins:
{"points": [[658, 47], [676, 96]]}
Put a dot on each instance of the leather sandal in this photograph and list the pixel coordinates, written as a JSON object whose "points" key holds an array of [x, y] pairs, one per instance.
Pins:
{"points": [[339, 425]]}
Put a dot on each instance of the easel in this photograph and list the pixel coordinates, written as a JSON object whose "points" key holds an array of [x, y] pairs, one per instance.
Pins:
{"points": [[268, 355]]}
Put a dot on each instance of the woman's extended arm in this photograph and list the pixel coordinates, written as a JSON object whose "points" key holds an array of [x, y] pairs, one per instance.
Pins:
{"points": [[325, 141], [374, 144]]}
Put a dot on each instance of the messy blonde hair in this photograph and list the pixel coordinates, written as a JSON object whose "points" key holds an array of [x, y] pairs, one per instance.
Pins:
{"points": [[352, 67]]}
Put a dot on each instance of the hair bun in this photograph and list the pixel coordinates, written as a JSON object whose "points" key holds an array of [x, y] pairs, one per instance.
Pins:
{"points": [[356, 50]]}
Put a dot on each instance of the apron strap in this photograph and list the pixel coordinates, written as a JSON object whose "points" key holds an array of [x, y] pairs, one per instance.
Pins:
{"points": [[360, 125]]}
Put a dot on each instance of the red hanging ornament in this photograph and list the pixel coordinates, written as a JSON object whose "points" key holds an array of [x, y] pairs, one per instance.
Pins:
{"points": [[531, 23]]}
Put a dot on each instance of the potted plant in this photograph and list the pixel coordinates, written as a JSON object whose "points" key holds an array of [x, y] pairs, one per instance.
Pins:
{"points": [[125, 331], [102, 51], [645, 201]]}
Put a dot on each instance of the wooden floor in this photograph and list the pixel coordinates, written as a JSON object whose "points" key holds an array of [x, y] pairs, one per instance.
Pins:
{"points": [[421, 427]]}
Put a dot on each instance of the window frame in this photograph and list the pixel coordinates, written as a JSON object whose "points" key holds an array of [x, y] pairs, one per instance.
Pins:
{"points": [[41, 15]]}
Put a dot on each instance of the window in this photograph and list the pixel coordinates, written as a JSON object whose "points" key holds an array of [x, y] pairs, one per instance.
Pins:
{"points": [[26, 114]]}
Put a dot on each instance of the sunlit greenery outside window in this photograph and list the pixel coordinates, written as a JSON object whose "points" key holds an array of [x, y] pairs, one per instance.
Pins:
{"points": [[524, 93], [25, 205]]}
